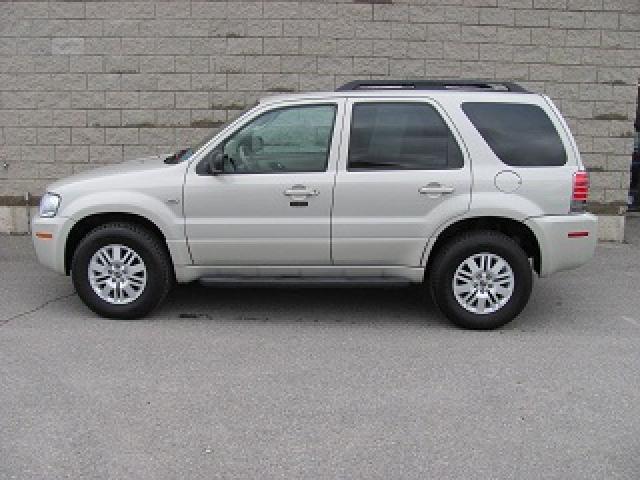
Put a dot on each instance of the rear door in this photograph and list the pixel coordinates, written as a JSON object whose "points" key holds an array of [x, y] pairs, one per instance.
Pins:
{"points": [[402, 173]]}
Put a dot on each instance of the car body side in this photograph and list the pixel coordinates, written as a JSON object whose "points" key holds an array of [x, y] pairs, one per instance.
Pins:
{"points": [[154, 193]]}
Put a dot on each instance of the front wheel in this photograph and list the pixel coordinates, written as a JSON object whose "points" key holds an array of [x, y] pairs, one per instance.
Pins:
{"points": [[121, 270], [481, 280]]}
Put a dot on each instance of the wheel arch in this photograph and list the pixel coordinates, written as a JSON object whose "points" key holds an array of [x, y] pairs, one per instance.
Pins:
{"points": [[515, 229], [83, 226]]}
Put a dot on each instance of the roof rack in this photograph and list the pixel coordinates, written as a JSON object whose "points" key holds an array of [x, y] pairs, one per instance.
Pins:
{"points": [[492, 85]]}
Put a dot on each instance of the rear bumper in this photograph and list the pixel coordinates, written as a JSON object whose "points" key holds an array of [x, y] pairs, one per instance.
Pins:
{"points": [[566, 241], [49, 237]]}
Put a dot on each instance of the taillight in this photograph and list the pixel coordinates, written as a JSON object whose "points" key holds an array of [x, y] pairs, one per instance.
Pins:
{"points": [[580, 193]]}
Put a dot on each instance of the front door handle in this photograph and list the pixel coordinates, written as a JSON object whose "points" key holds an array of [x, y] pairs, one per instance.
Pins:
{"points": [[301, 191], [435, 189]]}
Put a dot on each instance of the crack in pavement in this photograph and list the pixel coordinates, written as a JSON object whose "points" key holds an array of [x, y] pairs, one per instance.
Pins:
{"points": [[4, 321]]}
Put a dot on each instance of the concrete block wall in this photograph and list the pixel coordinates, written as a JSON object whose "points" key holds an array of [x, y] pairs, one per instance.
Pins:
{"points": [[88, 83]]}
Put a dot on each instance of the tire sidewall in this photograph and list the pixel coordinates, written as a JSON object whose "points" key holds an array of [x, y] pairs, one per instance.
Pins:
{"points": [[143, 247], [466, 247]]}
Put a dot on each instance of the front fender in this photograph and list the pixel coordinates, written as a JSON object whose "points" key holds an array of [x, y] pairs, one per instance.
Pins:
{"points": [[167, 217]]}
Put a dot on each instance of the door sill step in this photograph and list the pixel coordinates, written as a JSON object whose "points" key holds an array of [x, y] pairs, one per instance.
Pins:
{"points": [[291, 281]]}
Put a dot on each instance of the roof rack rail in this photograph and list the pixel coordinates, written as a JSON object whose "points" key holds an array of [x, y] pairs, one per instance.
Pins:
{"points": [[492, 85]]}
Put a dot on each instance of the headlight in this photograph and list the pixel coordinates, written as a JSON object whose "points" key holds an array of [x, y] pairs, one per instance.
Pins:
{"points": [[49, 205]]}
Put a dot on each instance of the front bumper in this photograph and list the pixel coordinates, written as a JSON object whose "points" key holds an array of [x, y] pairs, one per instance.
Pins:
{"points": [[566, 241], [49, 236]]}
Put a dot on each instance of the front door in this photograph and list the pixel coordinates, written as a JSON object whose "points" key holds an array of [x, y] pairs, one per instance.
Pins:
{"points": [[402, 174], [271, 204]]}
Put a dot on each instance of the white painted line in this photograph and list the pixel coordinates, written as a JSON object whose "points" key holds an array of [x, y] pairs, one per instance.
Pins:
{"points": [[631, 320]]}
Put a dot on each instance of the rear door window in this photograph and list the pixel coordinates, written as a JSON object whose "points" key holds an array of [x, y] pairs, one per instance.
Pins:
{"points": [[400, 136], [520, 135]]}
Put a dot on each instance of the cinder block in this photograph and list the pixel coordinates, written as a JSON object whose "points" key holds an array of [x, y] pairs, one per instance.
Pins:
{"points": [[209, 81], [138, 118], [497, 16], [69, 118], [532, 18], [20, 136], [354, 11], [173, 118], [300, 28], [299, 64], [174, 82], [262, 64], [356, 47], [121, 28], [245, 81], [192, 100], [87, 99], [391, 12], [282, 9], [611, 228], [264, 28], [411, 31], [335, 65], [105, 154], [157, 64], [157, 136], [583, 38], [156, 100], [173, 9], [288, 46], [67, 46], [192, 63], [120, 9], [407, 68], [54, 136], [37, 154], [103, 81], [567, 20], [371, 66], [86, 63], [122, 99], [603, 20], [121, 136], [244, 46], [121, 64], [71, 154], [87, 136]]}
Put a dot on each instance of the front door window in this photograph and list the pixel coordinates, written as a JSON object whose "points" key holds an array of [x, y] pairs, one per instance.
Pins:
{"points": [[283, 140]]}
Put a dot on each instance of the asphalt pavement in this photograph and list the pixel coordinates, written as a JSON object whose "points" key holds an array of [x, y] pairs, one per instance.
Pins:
{"points": [[321, 383]]}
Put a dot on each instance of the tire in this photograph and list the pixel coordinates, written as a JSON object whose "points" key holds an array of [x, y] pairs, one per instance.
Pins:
{"points": [[144, 279], [502, 293]]}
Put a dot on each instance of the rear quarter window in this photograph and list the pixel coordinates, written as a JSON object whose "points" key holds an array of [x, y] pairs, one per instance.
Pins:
{"points": [[520, 135]]}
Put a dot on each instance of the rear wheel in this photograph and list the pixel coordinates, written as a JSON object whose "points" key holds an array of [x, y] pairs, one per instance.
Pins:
{"points": [[121, 270], [481, 280]]}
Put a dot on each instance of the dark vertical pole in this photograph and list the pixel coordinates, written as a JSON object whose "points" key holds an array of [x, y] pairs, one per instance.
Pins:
{"points": [[634, 187], [637, 122]]}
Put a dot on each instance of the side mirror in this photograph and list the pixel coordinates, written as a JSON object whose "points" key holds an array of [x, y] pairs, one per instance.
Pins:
{"points": [[212, 164]]}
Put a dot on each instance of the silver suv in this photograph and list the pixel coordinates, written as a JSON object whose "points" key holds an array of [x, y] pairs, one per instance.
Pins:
{"points": [[465, 187]]}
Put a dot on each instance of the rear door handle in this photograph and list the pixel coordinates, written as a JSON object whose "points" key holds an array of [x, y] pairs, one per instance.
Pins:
{"points": [[301, 191], [435, 189]]}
